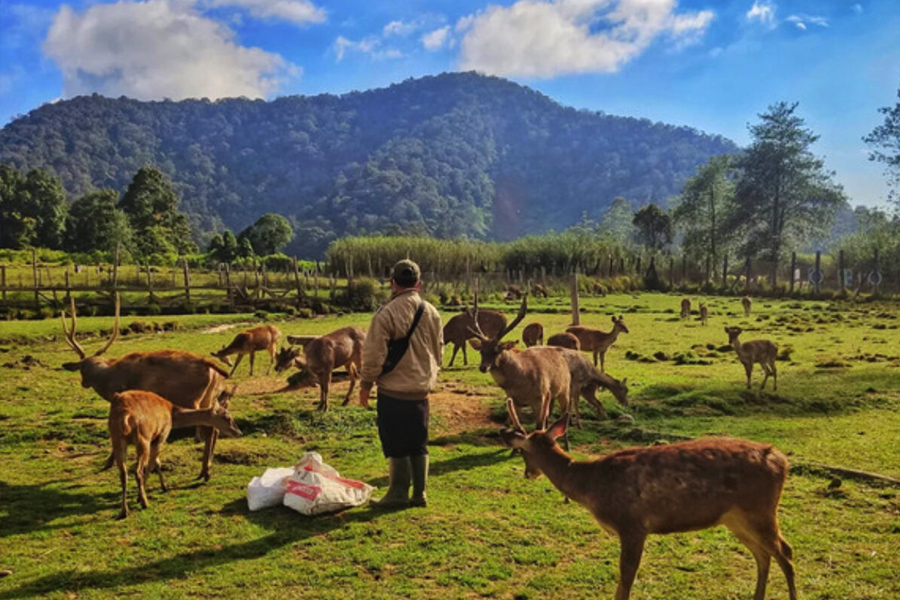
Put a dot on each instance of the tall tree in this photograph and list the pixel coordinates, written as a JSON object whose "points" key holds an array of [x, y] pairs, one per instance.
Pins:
{"points": [[704, 207], [151, 206], [887, 137], [654, 227], [96, 223], [617, 223], [269, 234], [784, 196], [32, 209]]}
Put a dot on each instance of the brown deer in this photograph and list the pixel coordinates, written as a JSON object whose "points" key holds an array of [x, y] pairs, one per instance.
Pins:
{"points": [[456, 330], [586, 379], [704, 314], [322, 355], [673, 488], [539, 290], [597, 341], [144, 419], [250, 342], [531, 377], [756, 351], [598, 289], [685, 308], [185, 379], [513, 292], [533, 335], [747, 303], [564, 340]]}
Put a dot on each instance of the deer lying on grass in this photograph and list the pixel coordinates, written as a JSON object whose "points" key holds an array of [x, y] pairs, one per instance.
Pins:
{"points": [[597, 341], [747, 303], [250, 342], [586, 379], [144, 419], [532, 377], [756, 351], [667, 489], [704, 314], [185, 379], [321, 356], [564, 340], [685, 308], [456, 330], [533, 335]]}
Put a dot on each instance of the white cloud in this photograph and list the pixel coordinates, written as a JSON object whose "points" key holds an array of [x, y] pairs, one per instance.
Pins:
{"points": [[801, 21], [370, 46], [158, 49], [401, 28], [546, 38], [437, 39], [764, 12], [299, 12]]}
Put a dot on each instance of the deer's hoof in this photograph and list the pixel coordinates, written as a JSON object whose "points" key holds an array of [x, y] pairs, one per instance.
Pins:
{"points": [[122, 515]]}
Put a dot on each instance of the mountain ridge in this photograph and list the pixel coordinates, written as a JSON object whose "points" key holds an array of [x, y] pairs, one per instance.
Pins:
{"points": [[450, 155]]}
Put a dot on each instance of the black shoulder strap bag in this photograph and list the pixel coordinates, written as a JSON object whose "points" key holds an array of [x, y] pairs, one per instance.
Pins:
{"points": [[397, 348]]}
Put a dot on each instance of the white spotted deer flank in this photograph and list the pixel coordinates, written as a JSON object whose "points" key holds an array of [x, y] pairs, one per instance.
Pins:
{"points": [[756, 351], [674, 488]]}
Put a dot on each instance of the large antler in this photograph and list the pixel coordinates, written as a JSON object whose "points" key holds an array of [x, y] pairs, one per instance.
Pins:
{"points": [[476, 331], [115, 332], [517, 320], [70, 335]]}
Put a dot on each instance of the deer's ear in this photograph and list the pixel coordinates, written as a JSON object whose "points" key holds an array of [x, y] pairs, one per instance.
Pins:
{"points": [[512, 438], [558, 428], [509, 345], [476, 343]]}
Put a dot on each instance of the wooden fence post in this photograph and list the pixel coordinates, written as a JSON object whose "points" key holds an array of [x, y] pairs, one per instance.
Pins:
{"points": [[228, 289], [841, 279], [818, 277], [575, 311], [300, 287], [68, 288], [725, 271], [150, 284], [793, 270], [34, 274], [187, 280], [683, 269]]}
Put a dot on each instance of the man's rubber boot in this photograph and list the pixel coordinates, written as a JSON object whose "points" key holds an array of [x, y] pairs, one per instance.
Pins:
{"points": [[398, 492], [419, 478]]}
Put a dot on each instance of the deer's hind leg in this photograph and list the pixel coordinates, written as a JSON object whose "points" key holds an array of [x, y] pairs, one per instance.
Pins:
{"points": [[140, 470], [154, 462], [119, 455], [354, 375], [761, 536], [324, 384]]}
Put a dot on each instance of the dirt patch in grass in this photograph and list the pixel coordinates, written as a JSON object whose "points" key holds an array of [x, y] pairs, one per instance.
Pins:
{"points": [[221, 328]]}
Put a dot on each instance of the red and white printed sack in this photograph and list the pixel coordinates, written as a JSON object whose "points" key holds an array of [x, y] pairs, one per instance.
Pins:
{"points": [[316, 488]]}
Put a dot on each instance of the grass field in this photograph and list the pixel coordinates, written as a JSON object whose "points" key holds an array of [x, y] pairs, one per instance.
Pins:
{"points": [[487, 532]]}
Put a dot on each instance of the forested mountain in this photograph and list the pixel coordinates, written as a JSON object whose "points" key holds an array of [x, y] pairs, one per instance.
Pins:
{"points": [[451, 155]]}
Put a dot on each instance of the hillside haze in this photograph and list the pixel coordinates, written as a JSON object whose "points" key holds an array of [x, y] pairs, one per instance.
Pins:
{"points": [[451, 155]]}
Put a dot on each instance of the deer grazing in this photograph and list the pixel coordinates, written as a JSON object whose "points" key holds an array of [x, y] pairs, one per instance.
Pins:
{"points": [[144, 419], [747, 303], [250, 342], [564, 340], [586, 379], [672, 488], [597, 341], [704, 314], [685, 308], [322, 355], [756, 351], [183, 378], [539, 290], [531, 377], [533, 335], [457, 329]]}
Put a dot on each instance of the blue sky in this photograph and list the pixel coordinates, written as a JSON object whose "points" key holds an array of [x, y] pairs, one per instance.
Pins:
{"points": [[710, 64]]}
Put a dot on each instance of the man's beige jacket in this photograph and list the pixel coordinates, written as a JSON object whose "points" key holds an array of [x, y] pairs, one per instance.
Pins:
{"points": [[416, 373]]}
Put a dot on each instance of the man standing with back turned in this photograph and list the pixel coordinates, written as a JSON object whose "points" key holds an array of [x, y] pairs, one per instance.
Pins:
{"points": [[405, 375]]}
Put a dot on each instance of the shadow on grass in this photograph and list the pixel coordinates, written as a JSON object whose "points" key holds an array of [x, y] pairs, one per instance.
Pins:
{"points": [[287, 528], [31, 508]]}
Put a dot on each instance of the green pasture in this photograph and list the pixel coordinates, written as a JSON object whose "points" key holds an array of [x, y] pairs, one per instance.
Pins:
{"points": [[487, 532]]}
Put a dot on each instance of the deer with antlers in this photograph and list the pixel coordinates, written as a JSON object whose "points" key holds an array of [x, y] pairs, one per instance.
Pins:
{"points": [[183, 378], [756, 351], [672, 488], [144, 419], [597, 341], [322, 355], [250, 342], [457, 330], [531, 377]]}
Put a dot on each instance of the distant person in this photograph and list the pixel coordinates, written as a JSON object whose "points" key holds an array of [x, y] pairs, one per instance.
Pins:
{"points": [[405, 376]]}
